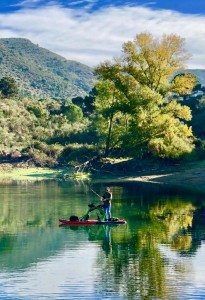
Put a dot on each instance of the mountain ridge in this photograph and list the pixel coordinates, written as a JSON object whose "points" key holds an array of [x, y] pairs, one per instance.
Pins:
{"points": [[42, 73]]}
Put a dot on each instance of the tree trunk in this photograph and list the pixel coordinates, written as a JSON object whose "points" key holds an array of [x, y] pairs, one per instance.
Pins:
{"points": [[107, 147]]}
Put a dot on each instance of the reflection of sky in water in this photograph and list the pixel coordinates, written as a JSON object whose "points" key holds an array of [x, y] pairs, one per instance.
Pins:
{"points": [[199, 268], [67, 273], [72, 274], [191, 275]]}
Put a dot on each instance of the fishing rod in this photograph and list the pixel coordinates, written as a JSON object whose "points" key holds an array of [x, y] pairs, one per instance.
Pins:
{"points": [[99, 196], [96, 193]]}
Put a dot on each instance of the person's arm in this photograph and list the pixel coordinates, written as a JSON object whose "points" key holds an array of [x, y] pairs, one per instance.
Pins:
{"points": [[106, 196], [103, 198]]}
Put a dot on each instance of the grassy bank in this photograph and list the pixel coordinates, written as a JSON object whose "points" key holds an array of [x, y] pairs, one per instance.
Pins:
{"points": [[35, 173], [32, 173]]}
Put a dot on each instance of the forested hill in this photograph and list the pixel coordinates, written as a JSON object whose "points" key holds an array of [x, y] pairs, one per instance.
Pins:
{"points": [[41, 73]]}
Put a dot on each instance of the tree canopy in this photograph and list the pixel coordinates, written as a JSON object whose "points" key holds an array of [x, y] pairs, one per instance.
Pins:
{"points": [[184, 83], [8, 87], [138, 87]]}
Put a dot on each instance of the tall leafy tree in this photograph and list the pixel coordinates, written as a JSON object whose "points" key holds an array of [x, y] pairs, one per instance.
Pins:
{"points": [[141, 83]]}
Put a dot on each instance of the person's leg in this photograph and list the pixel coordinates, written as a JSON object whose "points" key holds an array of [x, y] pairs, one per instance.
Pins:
{"points": [[109, 212], [106, 212]]}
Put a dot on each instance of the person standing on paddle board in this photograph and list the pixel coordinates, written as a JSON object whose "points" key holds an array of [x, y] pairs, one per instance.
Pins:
{"points": [[106, 198]]}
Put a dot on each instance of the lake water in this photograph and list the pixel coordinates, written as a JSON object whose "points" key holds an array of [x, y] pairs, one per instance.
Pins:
{"points": [[158, 254]]}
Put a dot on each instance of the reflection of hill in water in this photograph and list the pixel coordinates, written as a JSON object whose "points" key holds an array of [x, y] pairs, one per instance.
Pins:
{"points": [[22, 250]]}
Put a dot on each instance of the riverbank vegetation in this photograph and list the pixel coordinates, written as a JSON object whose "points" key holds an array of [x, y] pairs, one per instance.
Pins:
{"points": [[135, 111]]}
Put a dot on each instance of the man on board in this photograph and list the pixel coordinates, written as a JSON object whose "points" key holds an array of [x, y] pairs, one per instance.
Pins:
{"points": [[106, 198]]}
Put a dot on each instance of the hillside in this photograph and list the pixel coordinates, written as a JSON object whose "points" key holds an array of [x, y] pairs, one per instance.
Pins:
{"points": [[42, 73]]}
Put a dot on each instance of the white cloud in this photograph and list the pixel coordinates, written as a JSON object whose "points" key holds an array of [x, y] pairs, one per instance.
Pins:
{"points": [[82, 2], [93, 37], [27, 3]]}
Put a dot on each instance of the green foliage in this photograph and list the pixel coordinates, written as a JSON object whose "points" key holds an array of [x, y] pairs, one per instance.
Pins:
{"points": [[108, 121], [153, 61], [184, 83], [133, 91], [157, 128], [198, 153], [199, 73], [37, 129], [16, 126], [86, 103], [73, 113], [75, 153], [36, 110], [197, 106], [8, 87], [45, 155]]}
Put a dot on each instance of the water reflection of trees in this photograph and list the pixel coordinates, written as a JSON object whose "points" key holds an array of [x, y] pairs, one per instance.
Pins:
{"points": [[134, 265], [196, 230]]}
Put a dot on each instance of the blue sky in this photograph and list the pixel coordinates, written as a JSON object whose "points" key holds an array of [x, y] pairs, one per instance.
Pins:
{"points": [[183, 6], [90, 31]]}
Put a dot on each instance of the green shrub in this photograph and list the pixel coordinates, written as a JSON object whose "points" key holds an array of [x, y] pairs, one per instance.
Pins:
{"points": [[45, 155], [77, 153]]}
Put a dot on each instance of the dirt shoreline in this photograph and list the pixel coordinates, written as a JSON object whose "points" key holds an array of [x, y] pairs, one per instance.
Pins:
{"points": [[190, 176], [192, 179]]}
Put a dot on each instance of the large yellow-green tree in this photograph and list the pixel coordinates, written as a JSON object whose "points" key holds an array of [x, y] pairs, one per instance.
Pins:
{"points": [[142, 91]]}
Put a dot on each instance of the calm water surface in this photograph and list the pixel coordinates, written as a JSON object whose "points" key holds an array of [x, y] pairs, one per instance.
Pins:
{"points": [[159, 254]]}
